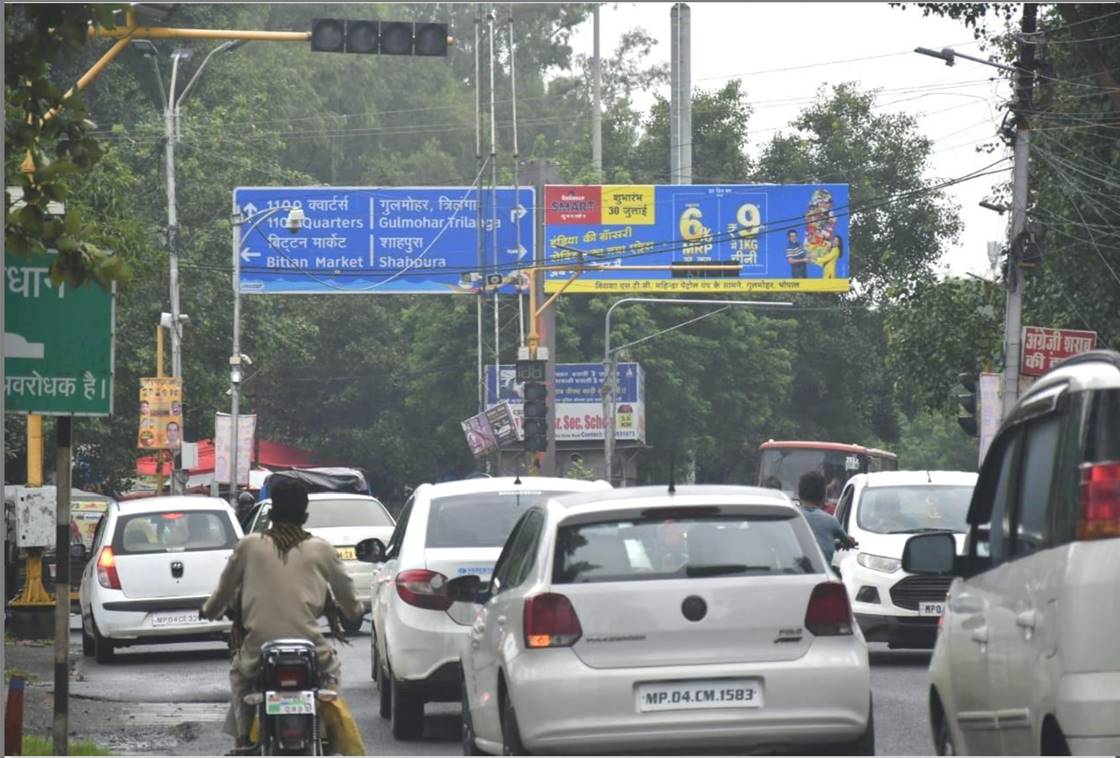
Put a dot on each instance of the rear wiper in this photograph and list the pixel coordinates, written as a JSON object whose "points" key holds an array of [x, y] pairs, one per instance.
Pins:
{"points": [[723, 568], [923, 529]]}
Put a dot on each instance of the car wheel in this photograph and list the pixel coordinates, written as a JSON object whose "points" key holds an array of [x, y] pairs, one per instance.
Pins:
{"points": [[407, 718], [469, 746], [352, 627], [88, 643], [103, 648], [943, 740], [511, 734], [385, 696]]}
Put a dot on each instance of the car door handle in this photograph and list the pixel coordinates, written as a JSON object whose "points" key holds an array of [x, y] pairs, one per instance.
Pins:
{"points": [[1027, 619], [980, 635], [500, 621]]}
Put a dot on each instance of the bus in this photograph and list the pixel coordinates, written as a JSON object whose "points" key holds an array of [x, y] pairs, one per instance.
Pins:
{"points": [[781, 464]]}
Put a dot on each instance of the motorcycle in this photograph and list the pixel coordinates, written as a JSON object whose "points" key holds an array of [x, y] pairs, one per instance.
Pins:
{"points": [[288, 699]]}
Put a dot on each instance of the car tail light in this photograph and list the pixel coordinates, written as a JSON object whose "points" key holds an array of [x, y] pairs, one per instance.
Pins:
{"points": [[290, 677], [424, 589], [550, 621], [107, 569], [1100, 501], [829, 613]]}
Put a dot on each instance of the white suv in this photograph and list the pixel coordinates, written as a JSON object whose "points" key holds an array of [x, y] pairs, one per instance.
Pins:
{"points": [[881, 511], [1026, 662], [444, 531]]}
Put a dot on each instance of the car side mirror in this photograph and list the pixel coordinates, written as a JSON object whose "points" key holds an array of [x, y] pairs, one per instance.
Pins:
{"points": [[930, 554], [468, 588], [370, 551]]}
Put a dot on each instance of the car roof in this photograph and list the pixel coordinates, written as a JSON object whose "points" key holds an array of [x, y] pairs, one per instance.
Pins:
{"points": [[171, 503], [1094, 370], [684, 496], [313, 496], [492, 484], [899, 478]]}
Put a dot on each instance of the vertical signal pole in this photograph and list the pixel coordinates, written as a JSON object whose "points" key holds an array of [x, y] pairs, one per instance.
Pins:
{"points": [[1012, 347], [478, 199]]}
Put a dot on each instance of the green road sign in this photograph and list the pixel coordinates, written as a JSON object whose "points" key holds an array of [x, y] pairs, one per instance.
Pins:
{"points": [[58, 342]]}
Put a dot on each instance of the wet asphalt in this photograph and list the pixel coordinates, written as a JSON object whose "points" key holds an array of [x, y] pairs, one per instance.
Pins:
{"points": [[179, 693]]}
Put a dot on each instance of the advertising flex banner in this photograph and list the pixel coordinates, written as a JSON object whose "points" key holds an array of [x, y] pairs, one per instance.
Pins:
{"points": [[784, 238], [161, 413]]}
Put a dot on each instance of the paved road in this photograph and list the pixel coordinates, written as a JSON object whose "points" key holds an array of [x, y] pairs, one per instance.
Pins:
{"points": [[185, 687]]}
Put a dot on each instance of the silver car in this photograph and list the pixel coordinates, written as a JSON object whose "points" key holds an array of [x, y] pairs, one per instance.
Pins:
{"points": [[660, 620]]}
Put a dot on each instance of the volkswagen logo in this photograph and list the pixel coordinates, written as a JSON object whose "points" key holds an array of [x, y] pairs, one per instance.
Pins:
{"points": [[177, 569], [694, 608]]}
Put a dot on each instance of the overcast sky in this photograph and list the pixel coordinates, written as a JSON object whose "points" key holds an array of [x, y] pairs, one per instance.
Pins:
{"points": [[959, 108]]}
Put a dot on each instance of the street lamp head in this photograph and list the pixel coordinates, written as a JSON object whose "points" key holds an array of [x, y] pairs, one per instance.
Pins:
{"points": [[145, 46], [946, 54], [295, 220], [989, 205], [232, 45]]}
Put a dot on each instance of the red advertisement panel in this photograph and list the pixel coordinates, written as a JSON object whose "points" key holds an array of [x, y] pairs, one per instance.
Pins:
{"points": [[1045, 348], [573, 204]]}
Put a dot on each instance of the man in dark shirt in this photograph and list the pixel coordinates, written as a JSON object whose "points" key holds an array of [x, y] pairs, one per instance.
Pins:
{"points": [[797, 257], [810, 489]]}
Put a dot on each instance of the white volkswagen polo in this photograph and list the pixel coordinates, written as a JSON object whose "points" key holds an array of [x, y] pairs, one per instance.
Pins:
{"points": [[653, 620], [445, 530], [153, 563]]}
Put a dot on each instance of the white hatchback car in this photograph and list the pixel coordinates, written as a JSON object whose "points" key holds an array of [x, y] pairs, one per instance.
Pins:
{"points": [[343, 520], [154, 562], [881, 511], [647, 620], [445, 530], [1026, 662]]}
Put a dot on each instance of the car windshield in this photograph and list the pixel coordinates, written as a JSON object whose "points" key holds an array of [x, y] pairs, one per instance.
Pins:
{"points": [[482, 519], [914, 508], [781, 468], [174, 531], [323, 514], [659, 548]]}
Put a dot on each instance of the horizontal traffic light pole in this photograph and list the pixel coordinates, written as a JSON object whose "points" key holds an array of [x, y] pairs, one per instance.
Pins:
{"points": [[162, 32]]}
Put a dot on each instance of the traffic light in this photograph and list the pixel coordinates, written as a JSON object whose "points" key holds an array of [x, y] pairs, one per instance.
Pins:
{"points": [[966, 414], [532, 375], [332, 35]]}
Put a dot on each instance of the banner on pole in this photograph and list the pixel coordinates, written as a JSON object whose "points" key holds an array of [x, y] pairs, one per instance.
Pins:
{"points": [[246, 431]]}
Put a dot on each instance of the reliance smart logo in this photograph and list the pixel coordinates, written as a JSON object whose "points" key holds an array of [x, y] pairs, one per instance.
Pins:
{"points": [[573, 204]]}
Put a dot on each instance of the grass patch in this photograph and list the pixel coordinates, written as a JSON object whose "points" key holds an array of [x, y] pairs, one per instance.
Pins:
{"points": [[33, 745]]}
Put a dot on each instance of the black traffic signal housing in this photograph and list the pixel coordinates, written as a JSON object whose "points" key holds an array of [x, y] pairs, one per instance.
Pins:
{"points": [[332, 35], [535, 425], [966, 399]]}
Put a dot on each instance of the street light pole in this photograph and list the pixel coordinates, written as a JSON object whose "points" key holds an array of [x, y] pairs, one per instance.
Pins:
{"points": [[609, 363]]}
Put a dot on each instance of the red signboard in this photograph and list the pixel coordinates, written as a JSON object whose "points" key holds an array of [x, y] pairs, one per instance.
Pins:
{"points": [[1045, 348], [573, 204]]}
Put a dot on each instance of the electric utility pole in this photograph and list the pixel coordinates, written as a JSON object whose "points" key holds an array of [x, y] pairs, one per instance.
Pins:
{"points": [[1012, 344]]}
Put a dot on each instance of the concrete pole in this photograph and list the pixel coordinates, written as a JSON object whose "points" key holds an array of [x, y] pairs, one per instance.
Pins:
{"points": [[235, 357], [1012, 346], [169, 113], [62, 589], [680, 104], [597, 100]]}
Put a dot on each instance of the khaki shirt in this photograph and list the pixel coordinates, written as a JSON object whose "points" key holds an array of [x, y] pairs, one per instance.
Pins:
{"points": [[282, 598]]}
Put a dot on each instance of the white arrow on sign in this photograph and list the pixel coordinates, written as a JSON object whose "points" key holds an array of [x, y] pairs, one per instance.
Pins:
{"points": [[250, 209], [518, 212], [521, 251], [248, 256]]}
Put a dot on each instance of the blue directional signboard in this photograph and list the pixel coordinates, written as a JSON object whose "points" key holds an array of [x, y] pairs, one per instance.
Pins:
{"points": [[781, 237], [418, 240]]}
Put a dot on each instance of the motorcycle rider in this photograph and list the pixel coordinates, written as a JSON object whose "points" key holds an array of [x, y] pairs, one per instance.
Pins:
{"points": [[278, 583], [245, 505]]}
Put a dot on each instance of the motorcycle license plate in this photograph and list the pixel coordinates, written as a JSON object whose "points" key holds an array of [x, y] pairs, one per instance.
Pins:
{"points": [[286, 703]]}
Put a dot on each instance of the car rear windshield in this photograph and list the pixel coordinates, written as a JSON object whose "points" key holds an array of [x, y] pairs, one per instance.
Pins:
{"points": [[174, 532], [659, 548], [482, 519], [323, 514], [913, 509]]}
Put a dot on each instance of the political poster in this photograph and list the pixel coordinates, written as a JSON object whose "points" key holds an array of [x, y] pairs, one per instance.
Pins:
{"points": [[697, 238], [161, 413]]}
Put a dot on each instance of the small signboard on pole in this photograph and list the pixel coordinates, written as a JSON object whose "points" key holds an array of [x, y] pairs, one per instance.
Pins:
{"points": [[1045, 348], [246, 430]]}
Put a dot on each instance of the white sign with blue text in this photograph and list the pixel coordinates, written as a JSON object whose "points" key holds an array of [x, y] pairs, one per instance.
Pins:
{"points": [[398, 240]]}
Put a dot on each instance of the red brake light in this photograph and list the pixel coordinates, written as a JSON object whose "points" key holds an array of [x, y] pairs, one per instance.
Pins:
{"points": [[1100, 501], [107, 569], [290, 677], [829, 613], [550, 621], [424, 589], [172, 516]]}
